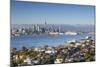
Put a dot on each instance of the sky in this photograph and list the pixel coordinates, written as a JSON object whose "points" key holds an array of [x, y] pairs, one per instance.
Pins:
{"points": [[38, 13]]}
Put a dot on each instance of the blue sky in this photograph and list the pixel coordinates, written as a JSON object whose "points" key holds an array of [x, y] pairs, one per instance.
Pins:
{"points": [[37, 13]]}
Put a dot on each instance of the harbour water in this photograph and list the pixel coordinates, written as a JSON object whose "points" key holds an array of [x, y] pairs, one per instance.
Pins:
{"points": [[40, 40]]}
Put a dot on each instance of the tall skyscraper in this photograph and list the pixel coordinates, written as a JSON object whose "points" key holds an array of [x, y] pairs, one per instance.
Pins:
{"points": [[45, 22]]}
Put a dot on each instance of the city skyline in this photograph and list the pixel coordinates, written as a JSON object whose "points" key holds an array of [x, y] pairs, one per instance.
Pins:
{"points": [[38, 13]]}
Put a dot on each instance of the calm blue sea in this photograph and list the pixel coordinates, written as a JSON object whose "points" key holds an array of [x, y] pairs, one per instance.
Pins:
{"points": [[40, 40]]}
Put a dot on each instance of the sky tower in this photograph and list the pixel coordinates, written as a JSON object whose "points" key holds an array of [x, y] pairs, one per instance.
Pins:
{"points": [[45, 22]]}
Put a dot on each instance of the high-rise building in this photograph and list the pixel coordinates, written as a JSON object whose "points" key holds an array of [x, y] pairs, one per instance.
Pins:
{"points": [[45, 22], [36, 27], [59, 29]]}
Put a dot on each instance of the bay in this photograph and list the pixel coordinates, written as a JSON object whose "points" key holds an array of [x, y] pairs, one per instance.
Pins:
{"points": [[41, 40]]}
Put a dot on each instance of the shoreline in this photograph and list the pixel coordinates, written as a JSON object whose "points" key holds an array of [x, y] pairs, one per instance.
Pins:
{"points": [[70, 52], [53, 44]]}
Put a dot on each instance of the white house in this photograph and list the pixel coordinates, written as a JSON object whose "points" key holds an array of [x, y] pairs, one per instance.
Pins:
{"points": [[28, 60], [35, 62], [50, 51], [57, 61]]}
